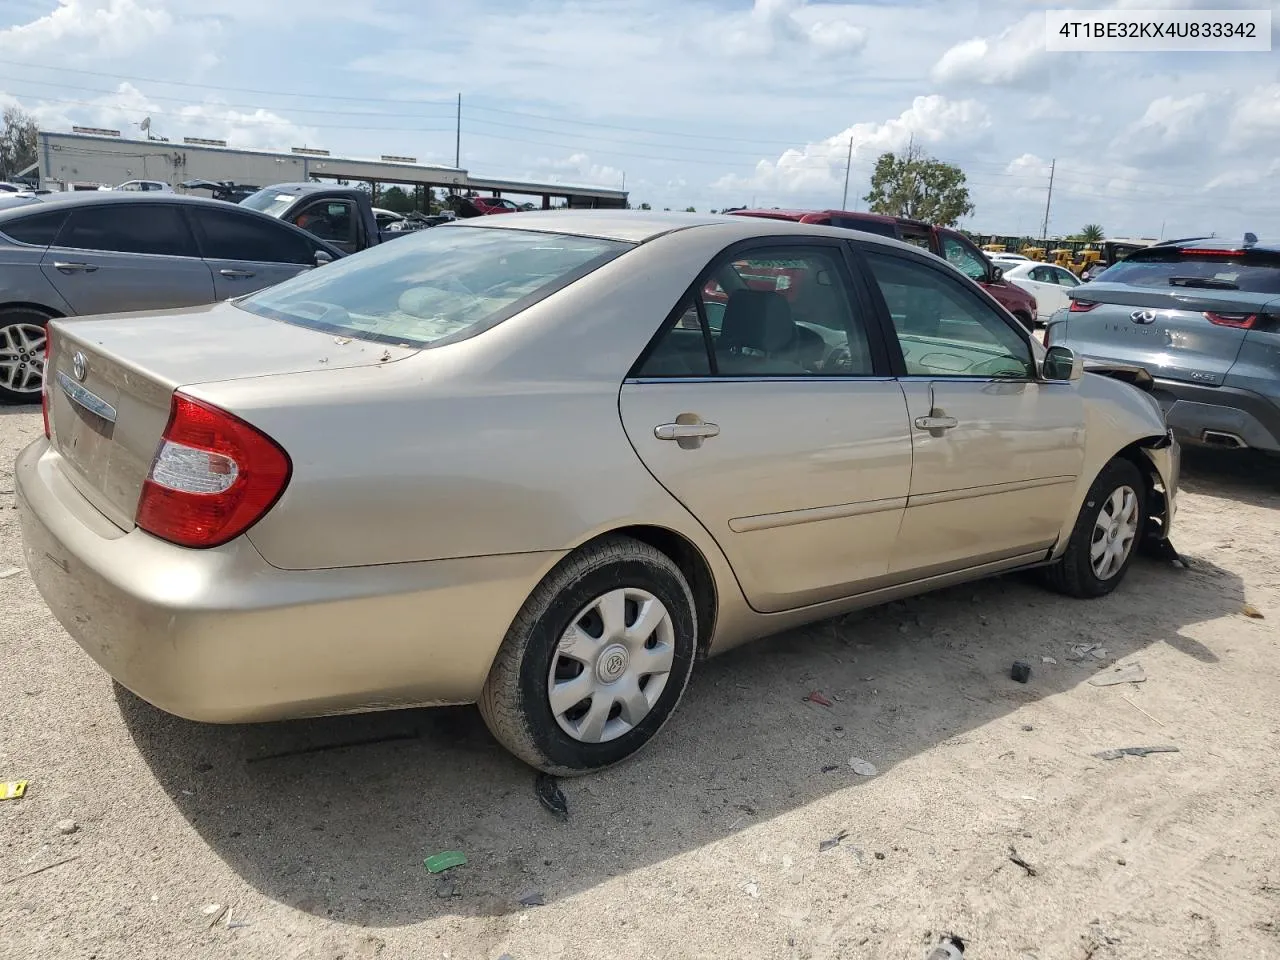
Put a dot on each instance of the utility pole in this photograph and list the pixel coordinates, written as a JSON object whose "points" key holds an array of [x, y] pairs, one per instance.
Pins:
{"points": [[1044, 230], [457, 142], [844, 204]]}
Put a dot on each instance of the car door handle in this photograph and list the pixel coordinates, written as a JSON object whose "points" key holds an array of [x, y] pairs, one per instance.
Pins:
{"points": [[63, 266], [236, 274], [686, 431], [936, 423]]}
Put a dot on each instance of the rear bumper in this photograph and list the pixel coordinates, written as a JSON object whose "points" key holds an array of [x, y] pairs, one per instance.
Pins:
{"points": [[1192, 410], [221, 636]]}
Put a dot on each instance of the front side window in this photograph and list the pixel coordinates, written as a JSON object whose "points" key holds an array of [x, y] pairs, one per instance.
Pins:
{"points": [[782, 312], [944, 329], [228, 235], [135, 227], [447, 282], [967, 261]]}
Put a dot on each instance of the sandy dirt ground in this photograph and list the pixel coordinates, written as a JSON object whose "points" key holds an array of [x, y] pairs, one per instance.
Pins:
{"points": [[313, 833]]}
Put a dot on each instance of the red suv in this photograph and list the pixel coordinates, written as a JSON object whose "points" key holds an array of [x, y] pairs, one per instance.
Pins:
{"points": [[951, 245]]}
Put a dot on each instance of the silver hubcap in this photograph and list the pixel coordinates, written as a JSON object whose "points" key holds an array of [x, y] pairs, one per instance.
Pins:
{"points": [[22, 357], [611, 665], [1113, 533]]}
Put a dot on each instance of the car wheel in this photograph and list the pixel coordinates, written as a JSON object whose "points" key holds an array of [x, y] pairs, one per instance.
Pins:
{"points": [[1106, 535], [596, 660], [22, 338]]}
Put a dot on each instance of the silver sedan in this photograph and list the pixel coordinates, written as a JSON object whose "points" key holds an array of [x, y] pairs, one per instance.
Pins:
{"points": [[546, 463]]}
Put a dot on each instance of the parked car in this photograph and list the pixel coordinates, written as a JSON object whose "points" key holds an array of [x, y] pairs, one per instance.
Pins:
{"points": [[71, 254], [227, 190], [1203, 318], [331, 522], [342, 216], [142, 186], [1046, 282], [944, 242]]}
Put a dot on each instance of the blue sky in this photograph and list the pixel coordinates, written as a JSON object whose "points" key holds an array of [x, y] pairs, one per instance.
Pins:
{"points": [[708, 103]]}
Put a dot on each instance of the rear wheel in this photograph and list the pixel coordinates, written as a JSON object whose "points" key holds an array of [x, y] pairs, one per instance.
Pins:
{"points": [[596, 660], [22, 339], [1106, 535]]}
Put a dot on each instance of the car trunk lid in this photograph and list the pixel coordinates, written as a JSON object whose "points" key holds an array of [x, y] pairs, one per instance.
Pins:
{"points": [[110, 384], [1182, 333]]}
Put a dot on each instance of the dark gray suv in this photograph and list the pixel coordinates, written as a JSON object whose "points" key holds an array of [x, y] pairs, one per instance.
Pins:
{"points": [[1203, 318], [78, 254]]}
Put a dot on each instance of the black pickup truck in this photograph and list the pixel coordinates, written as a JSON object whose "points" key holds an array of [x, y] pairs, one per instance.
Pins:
{"points": [[344, 216]]}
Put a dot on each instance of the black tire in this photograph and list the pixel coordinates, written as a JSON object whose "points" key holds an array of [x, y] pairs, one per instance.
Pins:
{"points": [[1073, 574], [10, 319], [514, 702]]}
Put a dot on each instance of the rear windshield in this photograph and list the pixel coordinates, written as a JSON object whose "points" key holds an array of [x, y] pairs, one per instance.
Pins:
{"points": [[444, 283], [1171, 269]]}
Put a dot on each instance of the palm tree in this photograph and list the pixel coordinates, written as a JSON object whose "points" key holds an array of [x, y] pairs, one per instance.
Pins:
{"points": [[1091, 232]]}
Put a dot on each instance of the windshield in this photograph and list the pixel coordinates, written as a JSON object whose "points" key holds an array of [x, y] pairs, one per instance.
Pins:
{"points": [[269, 201], [446, 282], [1250, 272]]}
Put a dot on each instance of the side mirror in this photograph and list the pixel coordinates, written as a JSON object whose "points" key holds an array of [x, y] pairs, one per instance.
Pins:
{"points": [[997, 273], [322, 257], [1062, 365]]}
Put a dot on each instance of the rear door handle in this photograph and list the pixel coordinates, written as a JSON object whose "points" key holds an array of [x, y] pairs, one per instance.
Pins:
{"points": [[236, 274], [686, 431], [64, 267], [936, 425]]}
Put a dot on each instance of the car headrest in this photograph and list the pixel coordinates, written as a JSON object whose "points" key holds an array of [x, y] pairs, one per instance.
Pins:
{"points": [[757, 320]]}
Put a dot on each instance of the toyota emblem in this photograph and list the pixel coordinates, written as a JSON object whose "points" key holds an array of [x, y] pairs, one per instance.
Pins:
{"points": [[79, 366], [1143, 316]]}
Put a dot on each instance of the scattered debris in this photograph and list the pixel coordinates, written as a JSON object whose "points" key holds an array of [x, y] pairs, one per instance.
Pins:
{"points": [[1249, 610], [1027, 728], [863, 768], [816, 697], [535, 899], [1083, 651], [949, 947], [446, 888], [32, 873], [1141, 711], [1119, 752], [879, 855], [14, 571], [386, 355], [341, 341], [1014, 858], [67, 827], [549, 794], [830, 766], [833, 842], [752, 889], [12, 789], [233, 924], [1020, 671], [1049, 660], [1129, 673], [440, 862], [215, 912], [1122, 862]]}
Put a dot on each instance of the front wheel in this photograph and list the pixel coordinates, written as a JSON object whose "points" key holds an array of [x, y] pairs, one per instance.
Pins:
{"points": [[22, 339], [1106, 534], [596, 660]]}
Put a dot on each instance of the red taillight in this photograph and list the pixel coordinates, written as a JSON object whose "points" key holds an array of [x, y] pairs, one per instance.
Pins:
{"points": [[1205, 252], [1244, 321], [213, 477], [44, 386], [1082, 306]]}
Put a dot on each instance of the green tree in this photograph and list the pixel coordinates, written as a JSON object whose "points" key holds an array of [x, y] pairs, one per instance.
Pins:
{"points": [[1091, 232], [914, 185], [645, 206], [690, 210], [396, 200], [17, 142]]}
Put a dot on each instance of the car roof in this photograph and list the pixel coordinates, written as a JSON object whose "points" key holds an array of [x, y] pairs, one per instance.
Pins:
{"points": [[1219, 243], [91, 198], [639, 226]]}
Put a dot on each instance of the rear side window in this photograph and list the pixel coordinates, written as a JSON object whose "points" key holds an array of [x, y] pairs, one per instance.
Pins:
{"points": [[228, 235], [38, 229], [1172, 269], [444, 283], [129, 228]]}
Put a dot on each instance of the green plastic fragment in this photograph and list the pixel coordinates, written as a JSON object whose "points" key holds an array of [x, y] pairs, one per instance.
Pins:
{"points": [[440, 862]]}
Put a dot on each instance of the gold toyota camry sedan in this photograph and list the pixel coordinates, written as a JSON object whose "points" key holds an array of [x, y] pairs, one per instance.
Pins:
{"points": [[546, 463]]}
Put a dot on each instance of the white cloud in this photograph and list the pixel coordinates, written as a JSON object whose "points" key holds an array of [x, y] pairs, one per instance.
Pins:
{"points": [[776, 23], [110, 28], [818, 167], [577, 169], [1170, 127], [1014, 54], [1257, 116]]}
